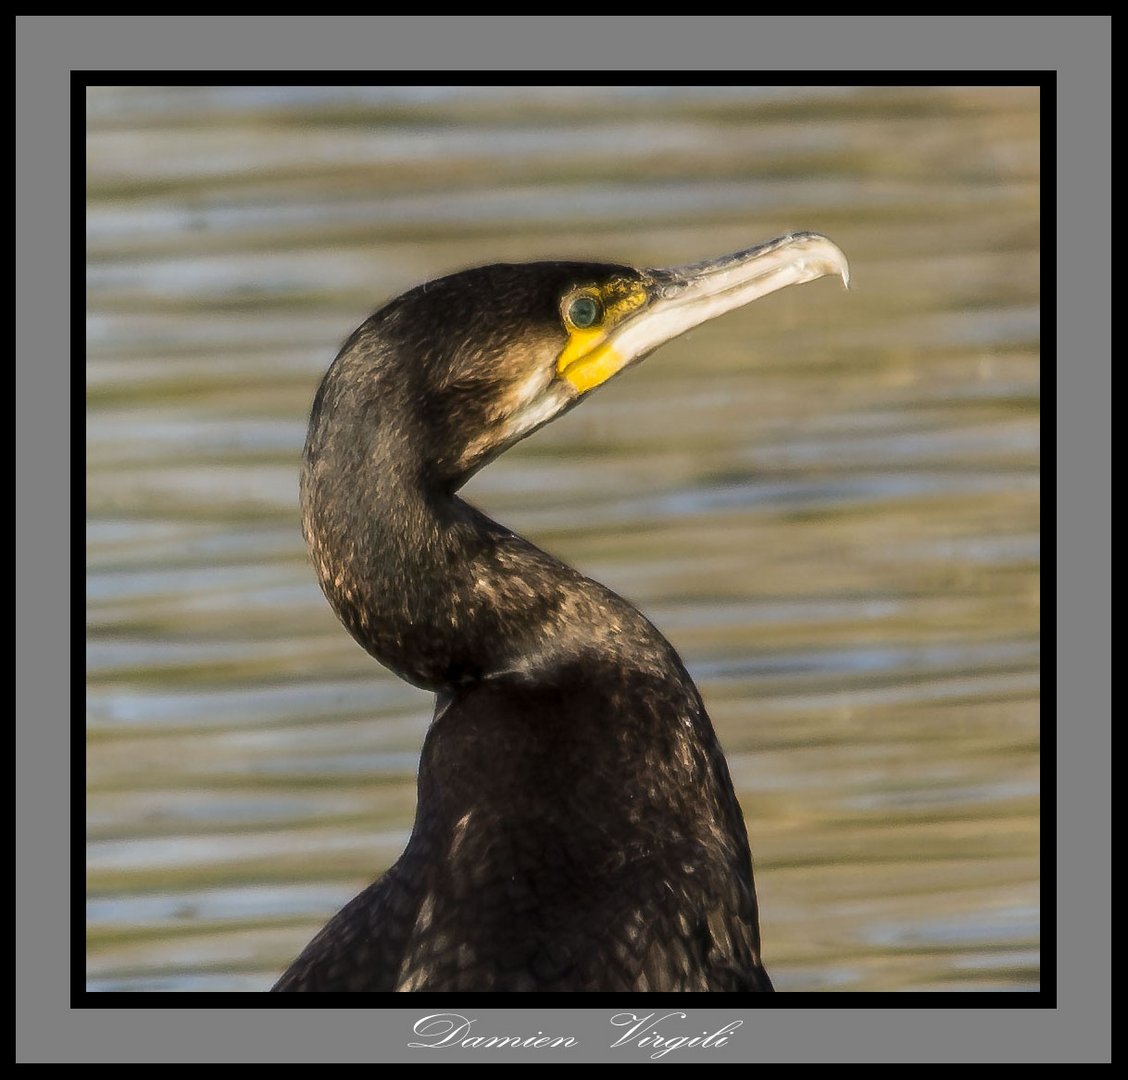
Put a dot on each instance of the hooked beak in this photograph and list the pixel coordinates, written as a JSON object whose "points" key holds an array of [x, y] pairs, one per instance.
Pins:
{"points": [[680, 298]]}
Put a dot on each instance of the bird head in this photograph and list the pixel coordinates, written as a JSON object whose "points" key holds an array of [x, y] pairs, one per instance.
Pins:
{"points": [[476, 361]]}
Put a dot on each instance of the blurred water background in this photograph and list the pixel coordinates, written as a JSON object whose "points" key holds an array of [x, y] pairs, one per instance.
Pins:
{"points": [[829, 501]]}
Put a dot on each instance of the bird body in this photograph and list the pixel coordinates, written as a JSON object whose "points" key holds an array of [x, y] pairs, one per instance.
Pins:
{"points": [[577, 828]]}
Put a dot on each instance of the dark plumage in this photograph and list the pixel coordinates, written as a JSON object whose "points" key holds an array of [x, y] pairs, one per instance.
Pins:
{"points": [[577, 828]]}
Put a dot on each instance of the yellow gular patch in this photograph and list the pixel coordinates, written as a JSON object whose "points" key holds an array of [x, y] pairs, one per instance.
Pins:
{"points": [[589, 358]]}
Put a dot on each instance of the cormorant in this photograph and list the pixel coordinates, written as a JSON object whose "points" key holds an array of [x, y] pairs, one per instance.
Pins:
{"points": [[577, 829]]}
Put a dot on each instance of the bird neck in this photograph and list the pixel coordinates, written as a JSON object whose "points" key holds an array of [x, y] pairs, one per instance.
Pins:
{"points": [[444, 596]]}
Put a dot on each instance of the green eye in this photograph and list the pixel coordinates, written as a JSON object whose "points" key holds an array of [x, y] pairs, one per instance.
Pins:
{"points": [[584, 311]]}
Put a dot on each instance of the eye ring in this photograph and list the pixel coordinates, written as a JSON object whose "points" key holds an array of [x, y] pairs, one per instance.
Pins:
{"points": [[583, 311]]}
